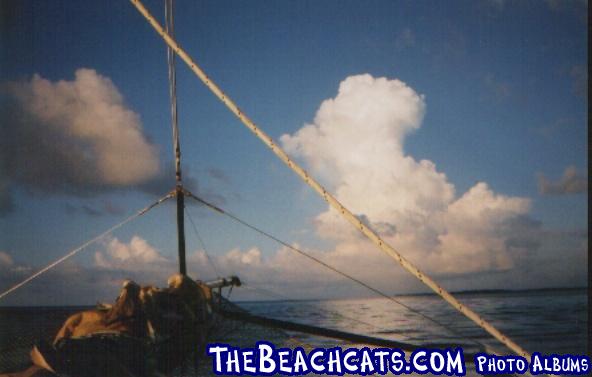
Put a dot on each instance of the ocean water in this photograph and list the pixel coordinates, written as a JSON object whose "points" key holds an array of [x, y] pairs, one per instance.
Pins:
{"points": [[546, 321]]}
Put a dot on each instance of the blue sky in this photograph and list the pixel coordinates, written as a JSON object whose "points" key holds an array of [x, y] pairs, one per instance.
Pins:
{"points": [[504, 88]]}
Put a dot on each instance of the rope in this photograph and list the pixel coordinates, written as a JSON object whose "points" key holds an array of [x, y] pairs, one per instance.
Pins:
{"points": [[347, 214], [203, 245], [328, 266], [81, 247], [265, 292]]}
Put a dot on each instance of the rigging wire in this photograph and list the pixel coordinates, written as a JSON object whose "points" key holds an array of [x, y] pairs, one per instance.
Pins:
{"points": [[324, 264], [203, 245], [265, 292], [84, 245], [170, 29]]}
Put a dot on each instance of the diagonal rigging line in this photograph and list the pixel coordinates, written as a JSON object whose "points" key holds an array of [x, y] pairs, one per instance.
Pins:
{"points": [[328, 197], [347, 276], [203, 245], [84, 245]]}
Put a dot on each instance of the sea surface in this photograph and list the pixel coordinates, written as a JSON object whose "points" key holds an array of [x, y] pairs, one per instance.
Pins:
{"points": [[545, 321]]}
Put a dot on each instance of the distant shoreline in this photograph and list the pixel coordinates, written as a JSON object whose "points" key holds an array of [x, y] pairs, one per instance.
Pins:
{"points": [[502, 291], [458, 293], [505, 291]]}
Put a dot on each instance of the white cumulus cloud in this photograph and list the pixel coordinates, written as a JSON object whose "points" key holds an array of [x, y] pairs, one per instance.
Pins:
{"points": [[73, 136], [137, 254], [356, 146]]}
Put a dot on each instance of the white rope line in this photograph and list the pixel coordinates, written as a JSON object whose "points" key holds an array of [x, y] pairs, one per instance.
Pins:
{"points": [[330, 199], [81, 247]]}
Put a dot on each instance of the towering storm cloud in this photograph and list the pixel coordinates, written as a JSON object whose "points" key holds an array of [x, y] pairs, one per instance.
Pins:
{"points": [[356, 144]]}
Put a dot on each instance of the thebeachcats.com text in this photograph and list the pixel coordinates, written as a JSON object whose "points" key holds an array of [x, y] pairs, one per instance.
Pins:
{"points": [[265, 360]]}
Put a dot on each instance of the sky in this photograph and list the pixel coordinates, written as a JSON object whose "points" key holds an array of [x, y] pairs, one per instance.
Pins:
{"points": [[455, 130]]}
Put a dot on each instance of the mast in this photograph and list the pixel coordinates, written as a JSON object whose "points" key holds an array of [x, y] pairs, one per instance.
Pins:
{"points": [[169, 21]]}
